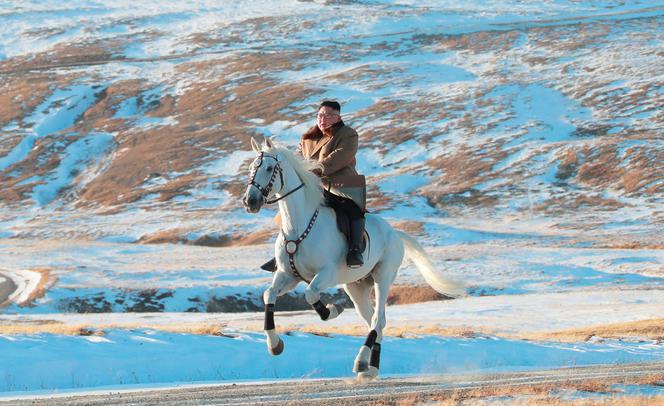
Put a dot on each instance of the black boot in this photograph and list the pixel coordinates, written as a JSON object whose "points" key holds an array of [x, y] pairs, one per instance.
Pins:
{"points": [[354, 258], [270, 266]]}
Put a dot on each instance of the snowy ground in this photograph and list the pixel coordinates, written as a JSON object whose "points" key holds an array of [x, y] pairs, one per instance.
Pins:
{"points": [[514, 295], [149, 357]]}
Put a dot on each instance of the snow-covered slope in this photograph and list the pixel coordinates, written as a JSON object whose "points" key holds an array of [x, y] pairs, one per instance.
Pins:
{"points": [[514, 110]]}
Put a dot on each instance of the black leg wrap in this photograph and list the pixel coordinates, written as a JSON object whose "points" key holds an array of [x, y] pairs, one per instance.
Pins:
{"points": [[375, 356], [322, 311], [371, 338], [269, 317]]}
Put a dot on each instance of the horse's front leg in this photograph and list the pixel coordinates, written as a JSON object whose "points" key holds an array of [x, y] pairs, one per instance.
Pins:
{"points": [[281, 283], [323, 280]]}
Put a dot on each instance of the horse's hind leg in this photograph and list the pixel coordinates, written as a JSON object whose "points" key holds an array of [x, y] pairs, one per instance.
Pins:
{"points": [[383, 274], [281, 283], [360, 293]]}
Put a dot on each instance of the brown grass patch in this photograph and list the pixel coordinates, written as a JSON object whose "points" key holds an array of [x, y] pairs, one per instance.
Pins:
{"points": [[178, 236], [641, 172], [575, 37], [567, 165], [407, 294], [411, 227], [647, 329], [55, 327], [259, 237], [172, 236], [601, 167], [537, 394], [202, 328], [527, 398], [462, 170], [22, 94], [476, 42], [631, 245], [361, 330], [64, 55], [49, 327], [377, 200], [567, 204]]}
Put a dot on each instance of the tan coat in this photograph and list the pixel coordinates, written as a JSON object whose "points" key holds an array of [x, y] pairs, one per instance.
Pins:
{"points": [[337, 155]]}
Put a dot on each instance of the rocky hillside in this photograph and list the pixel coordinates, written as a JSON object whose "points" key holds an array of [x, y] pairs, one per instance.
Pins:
{"points": [[133, 121]]}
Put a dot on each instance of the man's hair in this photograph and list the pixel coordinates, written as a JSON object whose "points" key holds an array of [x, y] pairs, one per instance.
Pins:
{"points": [[333, 104]]}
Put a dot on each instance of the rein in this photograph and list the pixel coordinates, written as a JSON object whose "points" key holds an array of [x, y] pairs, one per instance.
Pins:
{"points": [[270, 201]]}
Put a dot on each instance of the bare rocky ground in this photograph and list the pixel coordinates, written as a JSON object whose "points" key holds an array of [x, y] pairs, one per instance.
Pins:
{"points": [[7, 287], [548, 387]]}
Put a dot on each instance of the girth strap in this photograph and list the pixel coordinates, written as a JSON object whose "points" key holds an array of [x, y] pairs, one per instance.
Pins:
{"points": [[291, 246]]}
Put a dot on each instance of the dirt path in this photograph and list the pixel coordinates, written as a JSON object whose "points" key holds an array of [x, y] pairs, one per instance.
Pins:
{"points": [[345, 391], [7, 287]]}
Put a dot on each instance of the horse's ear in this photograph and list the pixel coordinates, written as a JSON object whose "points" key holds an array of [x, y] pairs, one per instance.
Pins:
{"points": [[254, 145], [268, 143]]}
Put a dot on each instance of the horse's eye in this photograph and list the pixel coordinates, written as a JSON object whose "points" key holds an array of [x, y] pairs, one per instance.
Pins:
{"points": [[269, 169]]}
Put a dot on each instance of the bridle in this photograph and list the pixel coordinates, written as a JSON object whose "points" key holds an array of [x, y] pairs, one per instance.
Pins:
{"points": [[265, 191]]}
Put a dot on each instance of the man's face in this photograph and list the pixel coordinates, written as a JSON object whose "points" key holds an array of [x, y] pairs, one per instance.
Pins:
{"points": [[327, 117]]}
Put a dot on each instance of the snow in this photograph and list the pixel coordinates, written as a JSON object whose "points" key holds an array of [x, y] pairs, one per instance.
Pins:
{"points": [[546, 113], [284, 132], [61, 110], [26, 282], [19, 152], [148, 357], [506, 315], [79, 155], [229, 165]]}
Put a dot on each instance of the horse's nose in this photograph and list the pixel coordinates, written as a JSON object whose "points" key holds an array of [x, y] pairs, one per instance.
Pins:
{"points": [[251, 203]]}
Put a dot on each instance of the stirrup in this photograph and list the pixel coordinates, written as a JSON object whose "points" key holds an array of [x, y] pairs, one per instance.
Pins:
{"points": [[354, 259], [270, 266]]}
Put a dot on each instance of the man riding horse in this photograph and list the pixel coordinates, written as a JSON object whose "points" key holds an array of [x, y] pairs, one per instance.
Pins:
{"points": [[334, 145]]}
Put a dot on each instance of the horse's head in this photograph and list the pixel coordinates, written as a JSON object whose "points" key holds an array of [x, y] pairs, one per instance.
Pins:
{"points": [[266, 175]]}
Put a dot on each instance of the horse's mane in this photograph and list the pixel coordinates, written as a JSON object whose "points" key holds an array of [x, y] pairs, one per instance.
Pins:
{"points": [[313, 188]]}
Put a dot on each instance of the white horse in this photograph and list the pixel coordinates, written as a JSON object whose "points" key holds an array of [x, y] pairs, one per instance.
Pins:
{"points": [[311, 249]]}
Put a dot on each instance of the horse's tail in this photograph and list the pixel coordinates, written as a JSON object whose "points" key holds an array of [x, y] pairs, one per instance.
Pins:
{"points": [[440, 283]]}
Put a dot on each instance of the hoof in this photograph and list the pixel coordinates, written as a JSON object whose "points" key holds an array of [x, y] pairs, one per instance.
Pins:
{"points": [[361, 366], [362, 360], [368, 375], [278, 349], [335, 311]]}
